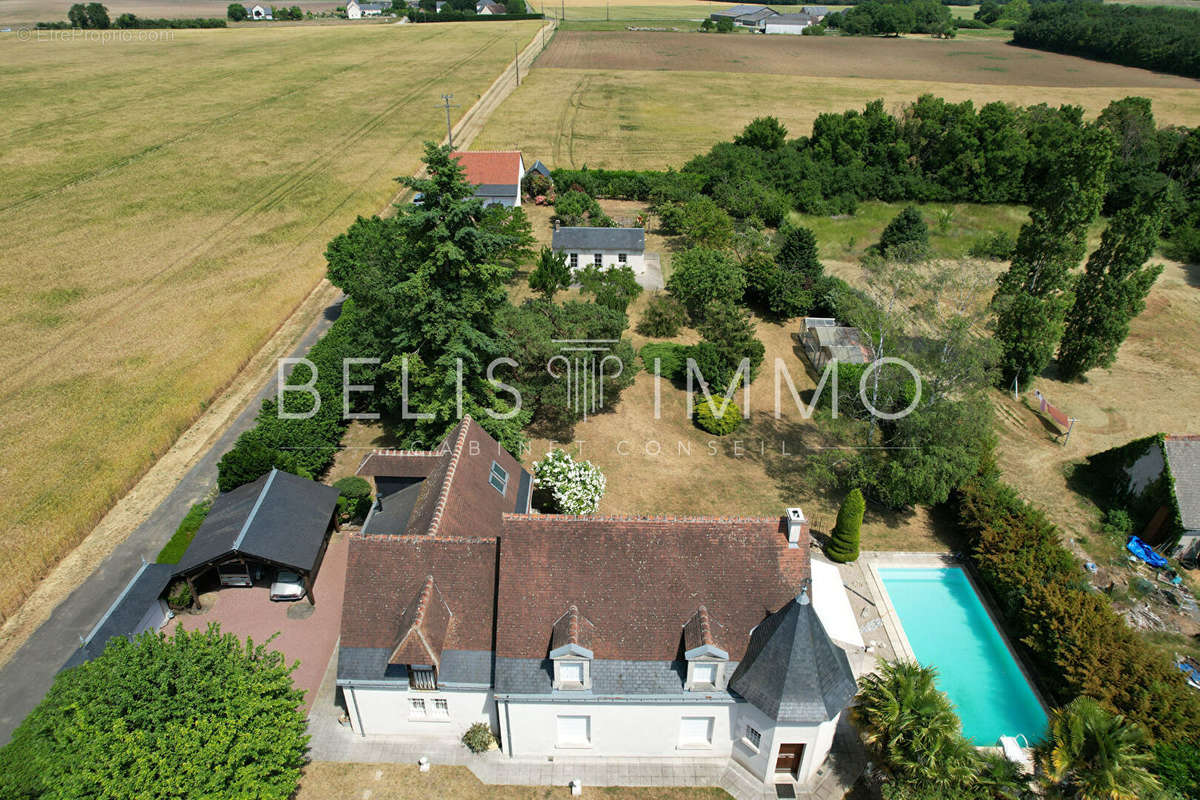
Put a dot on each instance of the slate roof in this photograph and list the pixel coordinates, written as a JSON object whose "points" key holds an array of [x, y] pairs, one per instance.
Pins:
{"points": [[640, 579], [611, 679], [280, 518], [744, 11], [628, 240], [539, 168], [1183, 457], [491, 167], [792, 671], [142, 591]]}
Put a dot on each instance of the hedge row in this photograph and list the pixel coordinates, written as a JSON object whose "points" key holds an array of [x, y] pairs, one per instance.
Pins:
{"points": [[627, 184], [304, 447], [1078, 643]]}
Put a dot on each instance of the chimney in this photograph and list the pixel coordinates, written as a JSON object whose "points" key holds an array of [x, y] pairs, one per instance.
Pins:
{"points": [[797, 526]]}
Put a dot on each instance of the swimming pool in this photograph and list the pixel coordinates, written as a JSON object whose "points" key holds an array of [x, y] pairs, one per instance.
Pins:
{"points": [[949, 628]]}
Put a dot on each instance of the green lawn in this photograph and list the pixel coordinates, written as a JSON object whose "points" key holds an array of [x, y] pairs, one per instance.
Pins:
{"points": [[953, 227]]}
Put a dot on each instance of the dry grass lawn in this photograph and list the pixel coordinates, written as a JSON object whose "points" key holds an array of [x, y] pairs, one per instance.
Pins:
{"points": [[165, 206], [639, 101], [323, 780]]}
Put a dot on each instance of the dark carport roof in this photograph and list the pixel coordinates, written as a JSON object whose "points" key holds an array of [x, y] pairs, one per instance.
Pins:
{"points": [[280, 518]]}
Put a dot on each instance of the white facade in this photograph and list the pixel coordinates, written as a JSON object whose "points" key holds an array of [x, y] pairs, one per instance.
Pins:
{"points": [[720, 730], [260, 12], [793, 28], [399, 710], [353, 10], [607, 259]]}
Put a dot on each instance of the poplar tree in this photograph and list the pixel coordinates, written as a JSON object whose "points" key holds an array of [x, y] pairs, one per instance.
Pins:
{"points": [[1113, 289], [1033, 297]]}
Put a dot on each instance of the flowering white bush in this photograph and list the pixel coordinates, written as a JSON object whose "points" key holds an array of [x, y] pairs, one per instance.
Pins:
{"points": [[576, 486]]}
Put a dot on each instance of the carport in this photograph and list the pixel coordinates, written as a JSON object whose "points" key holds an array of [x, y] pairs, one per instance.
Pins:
{"points": [[280, 520]]}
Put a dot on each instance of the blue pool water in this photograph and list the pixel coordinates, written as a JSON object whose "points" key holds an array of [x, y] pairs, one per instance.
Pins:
{"points": [[949, 628]]}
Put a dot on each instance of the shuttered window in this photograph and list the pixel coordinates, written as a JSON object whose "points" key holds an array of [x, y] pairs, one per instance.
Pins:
{"points": [[574, 731], [695, 731]]}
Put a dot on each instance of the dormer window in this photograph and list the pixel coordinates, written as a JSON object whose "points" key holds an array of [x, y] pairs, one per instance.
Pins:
{"points": [[705, 658], [569, 640], [499, 478], [704, 674], [571, 674]]}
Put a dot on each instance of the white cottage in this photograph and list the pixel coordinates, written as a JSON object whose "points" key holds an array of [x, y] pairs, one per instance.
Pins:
{"points": [[259, 12], [604, 247], [583, 637]]}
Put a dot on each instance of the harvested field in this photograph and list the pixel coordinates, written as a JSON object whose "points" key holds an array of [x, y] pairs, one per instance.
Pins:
{"points": [[913, 59], [639, 119], [166, 205]]}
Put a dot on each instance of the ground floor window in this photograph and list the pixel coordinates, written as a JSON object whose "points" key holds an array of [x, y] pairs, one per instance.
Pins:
{"points": [[574, 260], [441, 708], [695, 731], [416, 707], [574, 731], [752, 737], [598, 259], [622, 258]]}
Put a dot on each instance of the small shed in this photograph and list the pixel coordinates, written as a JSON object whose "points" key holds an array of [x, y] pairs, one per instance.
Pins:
{"points": [[280, 521], [786, 23], [824, 340], [140, 607]]}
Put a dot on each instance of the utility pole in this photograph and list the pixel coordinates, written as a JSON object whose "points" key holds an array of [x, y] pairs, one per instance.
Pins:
{"points": [[563, 11], [517, 62], [446, 98]]}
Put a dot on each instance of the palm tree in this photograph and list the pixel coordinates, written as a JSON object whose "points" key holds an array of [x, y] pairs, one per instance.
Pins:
{"points": [[912, 727], [1089, 753]]}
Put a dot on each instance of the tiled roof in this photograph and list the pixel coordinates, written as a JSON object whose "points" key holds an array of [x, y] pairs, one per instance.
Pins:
{"points": [[640, 580], [572, 628], [423, 627], [385, 574], [491, 166], [455, 498], [702, 630]]}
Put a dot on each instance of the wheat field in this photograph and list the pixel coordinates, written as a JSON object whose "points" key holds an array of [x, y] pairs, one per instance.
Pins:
{"points": [[165, 205], [652, 100]]}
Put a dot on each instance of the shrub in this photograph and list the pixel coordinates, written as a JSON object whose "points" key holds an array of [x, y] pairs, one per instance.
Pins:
{"points": [[672, 359], [1078, 642], [193, 714], [478, 738], [843, 544], [574, 487], [998, 247], [615, 287], [907, 230], [663, 318], [715, 422], [701, 276], [354, 497], [174, 549], [179, 596], [575, 208]]}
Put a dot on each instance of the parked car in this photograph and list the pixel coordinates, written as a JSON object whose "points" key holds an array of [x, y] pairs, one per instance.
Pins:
{"points": [[287, 586]]}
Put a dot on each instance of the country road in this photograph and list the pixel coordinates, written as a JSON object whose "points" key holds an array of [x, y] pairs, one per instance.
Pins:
{"points": [[37, 640]]}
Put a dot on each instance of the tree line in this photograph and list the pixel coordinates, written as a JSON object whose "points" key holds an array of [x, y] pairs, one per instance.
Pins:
{"points": [[95, 16], [1153, 37]]}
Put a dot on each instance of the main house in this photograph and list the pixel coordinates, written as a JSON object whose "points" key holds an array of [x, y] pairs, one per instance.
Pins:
{"points": [[496, 174], [582, 637], [356, 10], [603, 247]]}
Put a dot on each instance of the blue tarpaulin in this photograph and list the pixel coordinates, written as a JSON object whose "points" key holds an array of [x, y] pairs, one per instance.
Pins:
{"points": [[1145, 552]]}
